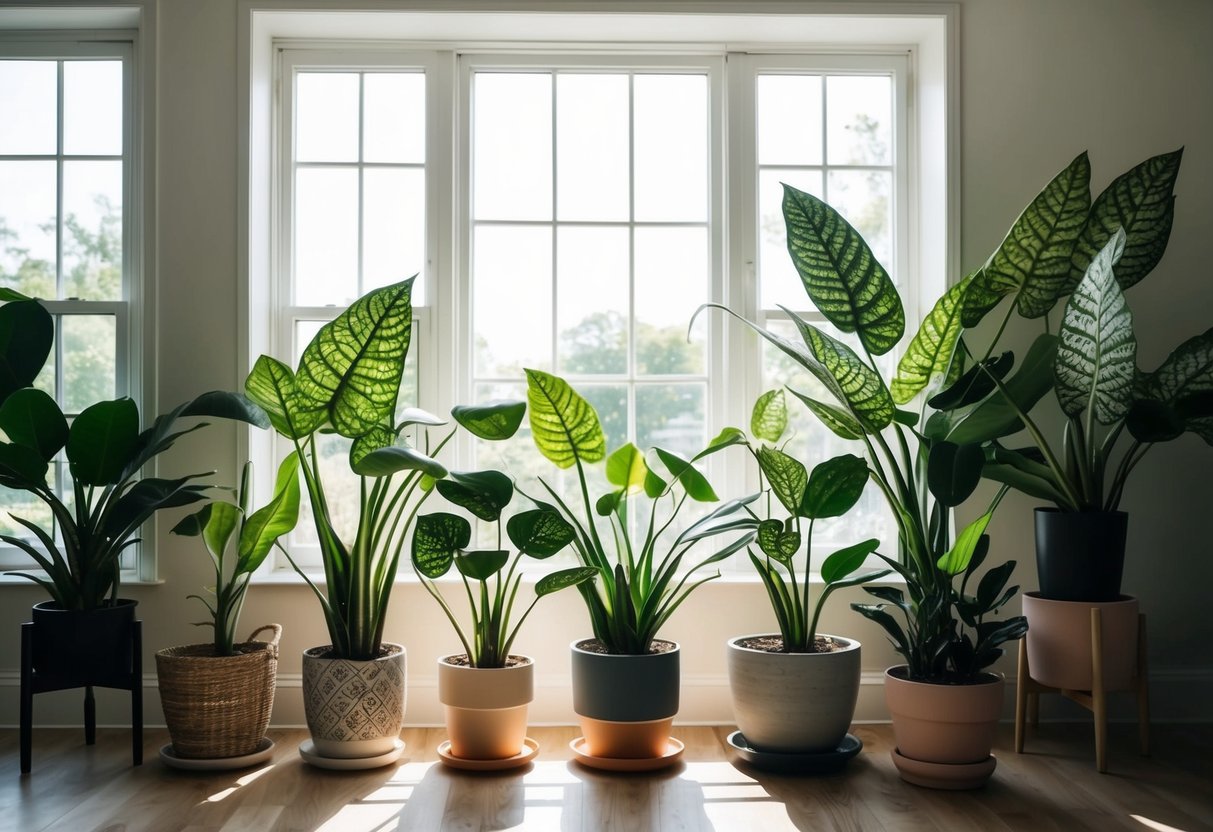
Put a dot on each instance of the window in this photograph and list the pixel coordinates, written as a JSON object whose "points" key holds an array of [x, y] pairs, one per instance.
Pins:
{"points": [[65, 232]]}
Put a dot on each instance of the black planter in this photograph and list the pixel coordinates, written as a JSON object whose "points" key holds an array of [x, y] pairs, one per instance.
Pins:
{"points": [[1080, 555], [84, 647]]}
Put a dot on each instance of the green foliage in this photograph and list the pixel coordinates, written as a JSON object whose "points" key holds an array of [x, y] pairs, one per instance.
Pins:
{"points": [[932, 349]]}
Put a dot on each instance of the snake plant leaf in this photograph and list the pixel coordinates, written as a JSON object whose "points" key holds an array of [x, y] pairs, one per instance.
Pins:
{"points": [[778, 542], [483, 493], [696, 484], [436, 539], [1097, 359], [953, 471], [996, 417], [380, 436], [1186, 372], [493, 421], [787, 476], [840, 422], [842, 563], [841, 274], [351, 369], [564, 579], [267, 524], [565, 426], [932, 348], [27, 333], [539, 533], [392, 460], [31, 418], [101, 440], [974, 384], [21, 465], [769, 418], [956, 560], [627, 468], [992, 585], [481, 564], [834, 487], [1141, 201], [1033, 262], [271, 386], [725, 517]]}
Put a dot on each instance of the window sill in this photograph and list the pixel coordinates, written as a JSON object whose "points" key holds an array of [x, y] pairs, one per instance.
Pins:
{"points": [[291, 578], [13, 580]]}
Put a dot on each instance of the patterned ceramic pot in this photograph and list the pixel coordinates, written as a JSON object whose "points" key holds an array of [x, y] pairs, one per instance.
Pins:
{"points": [[354, 708]]}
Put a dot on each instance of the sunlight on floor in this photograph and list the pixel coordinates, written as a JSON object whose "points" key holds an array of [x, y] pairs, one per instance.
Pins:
{"points": [[1153, 824], [242, 781]]}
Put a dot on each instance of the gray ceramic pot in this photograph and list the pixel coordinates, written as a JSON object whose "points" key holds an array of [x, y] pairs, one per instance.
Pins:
{"points": [[626, 704]]}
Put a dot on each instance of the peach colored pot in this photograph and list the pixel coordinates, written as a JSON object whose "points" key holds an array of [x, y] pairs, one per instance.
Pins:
{"points": [[951, 724], [486, 707], [1059, 641]]}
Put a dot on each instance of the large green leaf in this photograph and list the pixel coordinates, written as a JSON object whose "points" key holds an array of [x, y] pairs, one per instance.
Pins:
{"points": [[271, 385], [956, 559], [835, 486], [539, 532], [840, 422], [565, 426], [840, 273], [626, 467], [696, 484], [953, 471], [1187, 372], [861, 388], [223, 404], [1142, 202], [564, 579], [931, 350], [351, 369], [31, 418], [481, 564], [1033, 263], [102, 440], [996, 416], [277, 517], [387, 461], [27, 333], [436, 539], [974, 384], [1097, 358], [220, 523], [769, 418], [787, 476], [845, 561], [493, 421], [380, 436], [483, 493], [21, 466]]}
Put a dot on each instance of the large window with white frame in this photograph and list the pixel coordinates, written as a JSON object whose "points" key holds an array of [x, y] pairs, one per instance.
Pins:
{"points": [[569, 212]]}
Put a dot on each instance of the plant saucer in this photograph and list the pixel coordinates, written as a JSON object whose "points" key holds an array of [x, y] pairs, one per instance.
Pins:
{"points": [[673, 751], [307, 750], [530, 750], [263, 751], [954, 776], [783, 762]]}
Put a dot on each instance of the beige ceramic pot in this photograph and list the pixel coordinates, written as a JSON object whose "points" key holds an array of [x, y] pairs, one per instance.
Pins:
{"points": [[486, 707], [354, 708], [946, 724], [1059, 641]]}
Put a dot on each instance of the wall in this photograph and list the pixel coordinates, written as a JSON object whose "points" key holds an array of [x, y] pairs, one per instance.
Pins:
{"points": [[1040, 81]]}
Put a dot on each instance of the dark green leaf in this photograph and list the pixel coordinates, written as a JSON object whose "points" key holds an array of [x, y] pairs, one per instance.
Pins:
{"points": [[932, 348], [539, 532], [102, 440], [565, 426], [995, 417], [776, 542], [493, 421], [27, 333], [974, 384], [769, 418], [31, 418], [21, 467], [564, 579], [222, 404], [787, 476], [1153, 421], [992, 584], [953, 471], [725, 517], [845, 561], [696, 485], [436, 539], [606, 505], [834, 487], [393, 460], [481, 564], [483, 493], [1188, 371], [145, 498]]}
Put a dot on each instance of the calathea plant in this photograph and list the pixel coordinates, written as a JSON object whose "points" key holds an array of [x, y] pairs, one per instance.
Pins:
{"points": [[640, 581]]}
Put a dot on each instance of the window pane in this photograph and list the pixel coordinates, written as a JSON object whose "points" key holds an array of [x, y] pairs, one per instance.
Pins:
{"points": [[394, 117], [671, 141], [611, 402], [671, 281], [777, 276], [789, 119], [89, 360], [863, 197], [92, 230], [592, 297], [393, 234], [512, 300], [92, 107], [22, 504], [326, 117], [859, 118], [512, 146], [326, 236], [671, 416], [27, 227], [28, 107], [592, 130]]}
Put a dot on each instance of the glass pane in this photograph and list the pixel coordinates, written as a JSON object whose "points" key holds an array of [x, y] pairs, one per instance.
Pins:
{"points": [[92, 107], [592, 147], [89, 360], [512, 300], [27, 227], [611, 403], [393, 112], [512, 146], [326, 117], [864, 198], [592, 299], [859, 119], [671, 416], [22, 504], [789, 119], [28, 106], [777, 276], [671, 281], [92, 230], [340, 489], [671, 141], [393, 233], [326, 236]]}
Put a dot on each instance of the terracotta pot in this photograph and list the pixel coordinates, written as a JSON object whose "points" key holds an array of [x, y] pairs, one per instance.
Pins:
{"points": [[84, 647], [486, 707], [625, 704], [794, 702], [354, 708], [949, 724], [1080, 555], [1059, 641]]}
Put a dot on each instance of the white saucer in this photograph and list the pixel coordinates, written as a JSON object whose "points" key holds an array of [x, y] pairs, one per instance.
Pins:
{"points": [[673, 752], [307, 750], [265, 750], [530, 750]]}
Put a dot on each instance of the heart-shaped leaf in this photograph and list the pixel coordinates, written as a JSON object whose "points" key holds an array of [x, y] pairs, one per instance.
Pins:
{"points": [[483, 493], [31, 418], [787, 476], [769, 418], [27, 333], [842, 563], [835, 486], [436, 539], [481, 564], [932, 349], [953, 471], [564, 579], [102, 440], [565, 426], [493, 421], [539, 532], [777, 542]]}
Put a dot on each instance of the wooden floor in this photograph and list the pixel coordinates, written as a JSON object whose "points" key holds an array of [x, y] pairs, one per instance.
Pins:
{"points": [[1052, 787]]}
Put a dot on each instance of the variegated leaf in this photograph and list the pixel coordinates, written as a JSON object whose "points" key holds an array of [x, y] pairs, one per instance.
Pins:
{"points": [[769, 419], [840, 422], [1188, 370], [931, 350], [565, 426]]}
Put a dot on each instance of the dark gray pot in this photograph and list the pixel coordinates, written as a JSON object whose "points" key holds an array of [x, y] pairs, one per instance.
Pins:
{"points": [[1080, 555], [618, 688]]}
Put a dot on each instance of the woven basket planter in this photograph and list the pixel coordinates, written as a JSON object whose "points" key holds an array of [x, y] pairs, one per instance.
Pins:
{"points": [[218, 706]]}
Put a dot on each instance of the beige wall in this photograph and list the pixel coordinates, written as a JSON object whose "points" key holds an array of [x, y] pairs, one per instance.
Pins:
{"points": [[1040, 81]]}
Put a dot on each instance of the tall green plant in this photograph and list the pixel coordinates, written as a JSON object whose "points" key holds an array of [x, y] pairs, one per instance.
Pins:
{"points": [[640, 581]]}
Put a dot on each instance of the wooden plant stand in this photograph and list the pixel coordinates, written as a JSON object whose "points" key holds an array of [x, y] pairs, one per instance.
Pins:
{"points": [[1028, 690], [33, 682]]}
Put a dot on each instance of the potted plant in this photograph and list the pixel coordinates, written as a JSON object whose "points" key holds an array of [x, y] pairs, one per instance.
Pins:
{"points": [[794, 691], [485, 690], [625, 678], [217, 697], [944, 704]]}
